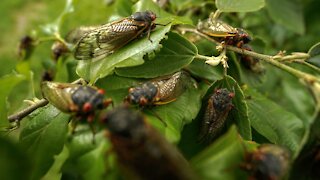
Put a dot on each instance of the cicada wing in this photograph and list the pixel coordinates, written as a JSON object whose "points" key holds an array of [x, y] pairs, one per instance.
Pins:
{"points": [[58, 94], [76, 34], [209, 114], [107, 38]]}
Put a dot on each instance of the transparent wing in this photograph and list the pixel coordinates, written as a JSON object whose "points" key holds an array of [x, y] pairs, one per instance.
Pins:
{"points": [[107, 38]]}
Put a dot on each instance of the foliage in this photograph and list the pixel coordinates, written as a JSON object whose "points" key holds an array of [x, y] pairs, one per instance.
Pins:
{"points": [[270, 107]]}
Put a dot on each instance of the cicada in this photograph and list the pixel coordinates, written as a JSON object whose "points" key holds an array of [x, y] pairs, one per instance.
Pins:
{"points": [[251, 63], [142, 150], [268, 162], [159, 91], [216, 28], [222, 32], [217, 109], [79, 100], [103, 40]]}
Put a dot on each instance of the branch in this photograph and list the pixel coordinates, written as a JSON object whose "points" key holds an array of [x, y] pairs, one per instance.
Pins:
{"points": [[25, 112], [310, 79]]}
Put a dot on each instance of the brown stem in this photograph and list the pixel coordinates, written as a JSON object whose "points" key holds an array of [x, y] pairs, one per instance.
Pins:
{"points": [[25, 112]]}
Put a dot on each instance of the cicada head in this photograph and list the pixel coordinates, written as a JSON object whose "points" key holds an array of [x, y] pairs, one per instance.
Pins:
{"points": [[243, 36], [125, 123], [143, 94], [222, 99], [268, 162], [146, 16], [74, 98], [88, 99]]}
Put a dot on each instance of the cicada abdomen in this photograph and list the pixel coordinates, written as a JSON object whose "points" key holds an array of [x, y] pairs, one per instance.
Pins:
{"points": [[141, 150], [104, 40], [81, 101], [161, 90], [218, 107], [268, 162]]}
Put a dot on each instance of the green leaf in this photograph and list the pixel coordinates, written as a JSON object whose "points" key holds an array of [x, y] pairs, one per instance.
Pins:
{"points": [[176, 53], [288, 13], [239, 5], [117, 87], [8, 82], [221, 160], [43, 137], [178, 113], [200, 69], [239, 114], [163, 16], [14, 164], [86, 159], [274, 123], [93, 70]]}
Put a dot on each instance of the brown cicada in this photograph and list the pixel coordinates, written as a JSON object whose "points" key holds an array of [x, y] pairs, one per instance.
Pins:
{"points": [[218, 107], [222, 32], [79, 100], [159, 91], [141, 150], [101, 41], [268, 162]]}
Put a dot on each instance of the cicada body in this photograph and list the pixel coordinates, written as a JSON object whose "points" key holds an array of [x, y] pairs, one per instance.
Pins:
{"points": [[159, 91], [268, 162], [218, 107], [81, 101], [216, 28], [222, 31], [104, 40], [251, 63], [141, 150]]}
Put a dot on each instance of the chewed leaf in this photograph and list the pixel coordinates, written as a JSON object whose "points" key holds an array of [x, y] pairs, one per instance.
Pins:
{"points": [[93, 70]]}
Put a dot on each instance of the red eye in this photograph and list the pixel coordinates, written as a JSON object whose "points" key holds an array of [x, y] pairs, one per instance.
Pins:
{"points": [[231, 95], [87, 107], [101, 91], [153, 16]]}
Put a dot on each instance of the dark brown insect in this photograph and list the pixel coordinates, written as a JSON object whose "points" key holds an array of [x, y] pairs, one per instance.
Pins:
{"points": [[58, 49], [159, 91], [25, 47], [251, 63], [141, 150], [218, 107], [268, 162], [105, 39], [79, 100]]}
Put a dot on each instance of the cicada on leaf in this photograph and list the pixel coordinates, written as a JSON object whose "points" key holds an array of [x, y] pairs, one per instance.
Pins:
{"points": [[217, 109], [268, 162], [159, 91], [98, 42], [79, 100], [141, 150]]}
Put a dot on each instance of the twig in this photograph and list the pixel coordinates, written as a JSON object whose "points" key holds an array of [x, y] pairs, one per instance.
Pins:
{"points": [[310, 79], [25, 112]]}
